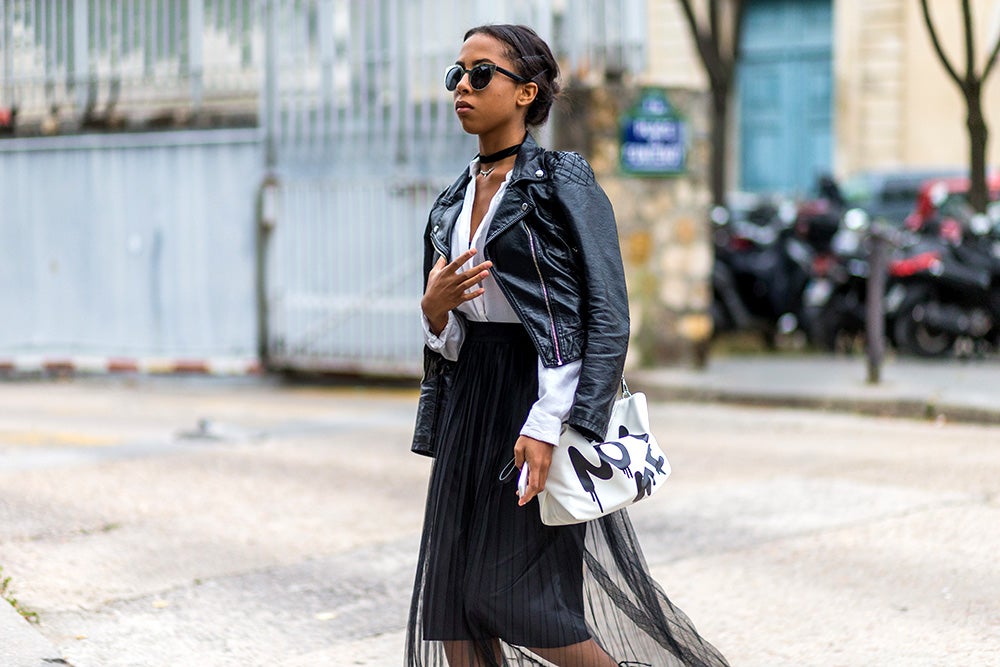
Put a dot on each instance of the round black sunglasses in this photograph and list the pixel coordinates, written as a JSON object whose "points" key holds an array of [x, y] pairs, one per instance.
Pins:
{"points": [[479, 76]]}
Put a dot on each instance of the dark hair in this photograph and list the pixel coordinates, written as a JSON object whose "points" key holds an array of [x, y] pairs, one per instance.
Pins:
{"points": [[532, 58]]}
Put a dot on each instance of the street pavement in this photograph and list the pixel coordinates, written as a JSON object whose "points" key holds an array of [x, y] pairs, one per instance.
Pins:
{"points": [[213, 522]]}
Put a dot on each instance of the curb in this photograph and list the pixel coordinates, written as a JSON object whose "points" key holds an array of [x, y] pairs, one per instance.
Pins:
{"points": [[907, 408], [22, 365], [22, 645]]}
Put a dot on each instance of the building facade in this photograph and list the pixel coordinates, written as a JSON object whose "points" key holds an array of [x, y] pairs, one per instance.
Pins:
{"points": [[837, 85]]}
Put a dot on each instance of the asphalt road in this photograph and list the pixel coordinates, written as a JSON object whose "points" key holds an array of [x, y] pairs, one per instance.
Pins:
{"points": [[218, 523]]}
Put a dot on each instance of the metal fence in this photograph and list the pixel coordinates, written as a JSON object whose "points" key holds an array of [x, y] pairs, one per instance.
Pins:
{"points": [[357, 129], [361, 81], [130, 245], [82, 62], [343, 291], [363, 136], [116, 63]]}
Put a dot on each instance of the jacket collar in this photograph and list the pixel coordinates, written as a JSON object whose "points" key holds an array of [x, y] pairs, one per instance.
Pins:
{"points": [[529, 165]]}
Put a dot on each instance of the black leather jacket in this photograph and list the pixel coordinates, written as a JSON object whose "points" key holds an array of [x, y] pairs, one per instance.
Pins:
{"points": [[554, 247]]}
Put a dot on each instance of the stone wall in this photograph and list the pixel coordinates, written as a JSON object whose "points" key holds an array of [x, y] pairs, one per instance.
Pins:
{"points": [[662, 221]]}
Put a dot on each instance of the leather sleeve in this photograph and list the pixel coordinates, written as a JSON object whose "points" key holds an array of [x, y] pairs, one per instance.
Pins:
{"points": [[591, 221], [435, 382]]}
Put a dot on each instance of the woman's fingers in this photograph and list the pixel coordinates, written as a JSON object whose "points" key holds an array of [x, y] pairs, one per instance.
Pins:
{"points": [[538, 455], [476, 273], [536, 483], [457, 263], [472, 279], [448, 286], [475, 294], [478, 268]]}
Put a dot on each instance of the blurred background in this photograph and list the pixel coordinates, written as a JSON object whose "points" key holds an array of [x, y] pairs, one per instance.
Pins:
{"points": [[236, 185]]}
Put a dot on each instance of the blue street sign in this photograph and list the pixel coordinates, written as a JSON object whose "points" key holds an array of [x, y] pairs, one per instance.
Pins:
{"points": [[654, 138]]}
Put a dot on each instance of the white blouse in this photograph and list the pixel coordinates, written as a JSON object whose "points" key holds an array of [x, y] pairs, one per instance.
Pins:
{"points": [[556, 386]]}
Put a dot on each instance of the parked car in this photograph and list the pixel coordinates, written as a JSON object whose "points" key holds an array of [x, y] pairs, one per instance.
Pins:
{"points": [[890, 195], [938, 193]]}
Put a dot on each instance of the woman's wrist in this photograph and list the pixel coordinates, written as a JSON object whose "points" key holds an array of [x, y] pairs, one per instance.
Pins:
{"points": [[436, 322]]}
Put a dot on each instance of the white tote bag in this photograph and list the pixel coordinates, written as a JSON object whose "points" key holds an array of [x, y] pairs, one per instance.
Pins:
{"points": [[590, 479]]}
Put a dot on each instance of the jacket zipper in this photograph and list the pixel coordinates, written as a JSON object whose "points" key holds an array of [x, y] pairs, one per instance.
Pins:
{"points": [[545, 291], [437, 246]]}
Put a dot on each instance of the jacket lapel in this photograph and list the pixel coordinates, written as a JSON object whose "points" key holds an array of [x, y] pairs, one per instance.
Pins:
{"points": [[444, 214], [528, 167]]}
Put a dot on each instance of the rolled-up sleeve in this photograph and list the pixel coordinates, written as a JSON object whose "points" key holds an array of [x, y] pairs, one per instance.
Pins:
{"points": [[448, 343], [556, 389]]}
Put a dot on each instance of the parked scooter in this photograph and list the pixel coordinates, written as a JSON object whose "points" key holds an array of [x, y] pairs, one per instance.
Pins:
{"points": [[947, 287], [834, 303], [817, 220], [761, 268]]}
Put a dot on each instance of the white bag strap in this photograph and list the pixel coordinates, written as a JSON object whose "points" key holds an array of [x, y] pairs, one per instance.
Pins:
{"points": [[508, 470]]}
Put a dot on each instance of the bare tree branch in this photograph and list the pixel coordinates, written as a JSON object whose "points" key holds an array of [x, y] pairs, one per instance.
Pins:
{"points": [[992, 60], [706, 49], [738, 7], [937, 45], [970, 43], [710, 29], [713, 25]]}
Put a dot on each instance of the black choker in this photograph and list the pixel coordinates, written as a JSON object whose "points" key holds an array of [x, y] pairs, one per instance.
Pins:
{"points": [[499, 155]]}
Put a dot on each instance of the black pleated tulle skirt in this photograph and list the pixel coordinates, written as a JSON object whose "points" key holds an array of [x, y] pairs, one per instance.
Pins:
{"points": [[494, 585]]}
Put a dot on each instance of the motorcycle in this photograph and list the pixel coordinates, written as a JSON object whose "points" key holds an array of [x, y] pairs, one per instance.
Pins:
{"points": [[834, 302], [760, 271], [947, 287]]}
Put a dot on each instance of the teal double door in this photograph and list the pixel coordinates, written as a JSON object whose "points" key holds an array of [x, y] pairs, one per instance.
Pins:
{"points": [[785, 95]]}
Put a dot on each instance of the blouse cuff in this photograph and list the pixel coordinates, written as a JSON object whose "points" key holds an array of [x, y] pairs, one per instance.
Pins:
{"points": [[543, 426], [448, 342], [556, 391]]}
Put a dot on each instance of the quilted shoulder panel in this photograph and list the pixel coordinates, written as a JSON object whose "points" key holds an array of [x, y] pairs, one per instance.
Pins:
{"points": [[572, 168]]}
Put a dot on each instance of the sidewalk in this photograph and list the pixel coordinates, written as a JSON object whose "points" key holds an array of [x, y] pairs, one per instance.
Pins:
{"points": [[956, 390]]}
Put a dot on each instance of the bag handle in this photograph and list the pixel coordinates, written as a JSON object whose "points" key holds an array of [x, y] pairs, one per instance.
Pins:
{"points": [[507, 471], [625, 392]]}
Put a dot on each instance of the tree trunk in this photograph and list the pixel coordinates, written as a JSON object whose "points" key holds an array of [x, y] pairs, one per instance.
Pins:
{"points": [[978, 136], [720, 114]]}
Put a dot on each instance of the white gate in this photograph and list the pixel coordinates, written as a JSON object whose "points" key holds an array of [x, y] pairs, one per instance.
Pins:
{"points": [[361, 138], [358, 136]]}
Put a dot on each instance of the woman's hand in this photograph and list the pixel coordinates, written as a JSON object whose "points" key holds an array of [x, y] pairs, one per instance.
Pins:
{"points": [[446, 288], [538, 456]]}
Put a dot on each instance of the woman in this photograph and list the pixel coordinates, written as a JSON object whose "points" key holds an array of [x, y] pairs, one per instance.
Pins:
{"points": [[526, 322]]}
